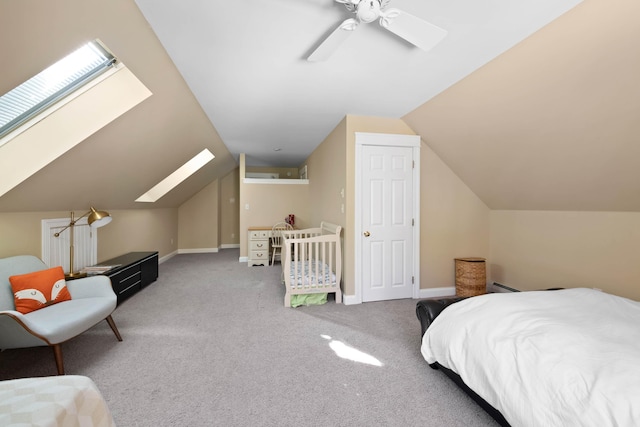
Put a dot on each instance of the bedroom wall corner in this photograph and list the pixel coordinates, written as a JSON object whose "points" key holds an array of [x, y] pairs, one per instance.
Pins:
{"points": [[454, 222], [229, 229], [198, 220]]}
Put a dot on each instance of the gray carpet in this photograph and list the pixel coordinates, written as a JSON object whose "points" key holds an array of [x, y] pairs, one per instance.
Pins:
{"points": [[211, 344]]}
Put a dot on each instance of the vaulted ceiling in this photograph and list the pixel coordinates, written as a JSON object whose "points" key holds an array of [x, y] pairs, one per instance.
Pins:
{"points": [[245, 61], [533, 104]]}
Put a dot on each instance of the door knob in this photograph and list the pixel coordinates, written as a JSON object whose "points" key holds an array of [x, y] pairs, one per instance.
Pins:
{"points": [[367, 234]]}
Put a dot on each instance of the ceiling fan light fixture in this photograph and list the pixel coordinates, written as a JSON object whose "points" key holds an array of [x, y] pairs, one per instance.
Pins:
{"points": [[412, 29], [368, 11]]}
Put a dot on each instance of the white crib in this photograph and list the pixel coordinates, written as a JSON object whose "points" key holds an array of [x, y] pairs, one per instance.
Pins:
{"points": [[312, 261]]}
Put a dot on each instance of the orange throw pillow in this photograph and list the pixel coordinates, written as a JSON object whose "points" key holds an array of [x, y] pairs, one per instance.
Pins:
{"points": [[39, 289]]}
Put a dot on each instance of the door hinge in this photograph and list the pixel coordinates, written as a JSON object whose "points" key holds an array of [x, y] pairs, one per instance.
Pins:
{"points": [[413, 164], [413, 222], [413, 280]]}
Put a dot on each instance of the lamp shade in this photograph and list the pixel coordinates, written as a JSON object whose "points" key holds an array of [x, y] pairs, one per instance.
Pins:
{"points": [[97, 219]]}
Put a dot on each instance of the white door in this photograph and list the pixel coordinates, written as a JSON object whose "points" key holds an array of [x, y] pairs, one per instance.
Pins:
{"points": [[56, 250], [387, 222]]}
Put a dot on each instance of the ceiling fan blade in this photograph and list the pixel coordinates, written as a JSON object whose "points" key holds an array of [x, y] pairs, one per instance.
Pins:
{"points": [[415, 30], [335, 39]]}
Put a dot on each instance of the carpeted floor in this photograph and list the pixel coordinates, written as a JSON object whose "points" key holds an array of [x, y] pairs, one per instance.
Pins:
{"points": [[211, 344]]}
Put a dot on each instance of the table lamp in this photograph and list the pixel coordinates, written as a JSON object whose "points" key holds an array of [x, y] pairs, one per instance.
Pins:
{"points": [[95, 219]]}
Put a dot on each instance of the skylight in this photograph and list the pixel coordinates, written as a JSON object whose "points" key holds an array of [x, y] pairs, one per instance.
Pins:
{"points": [[52, 84], [182, 173]]}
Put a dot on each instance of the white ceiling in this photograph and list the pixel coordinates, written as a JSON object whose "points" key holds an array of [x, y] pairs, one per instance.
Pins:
{"points": [[245, 63]]}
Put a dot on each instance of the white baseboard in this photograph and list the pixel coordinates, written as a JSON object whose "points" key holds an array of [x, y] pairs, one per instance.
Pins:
{"points": [[422, 293], [230, 246], [350, 300], [198, 251], [167, 257], [447, 291], [243, 259]]}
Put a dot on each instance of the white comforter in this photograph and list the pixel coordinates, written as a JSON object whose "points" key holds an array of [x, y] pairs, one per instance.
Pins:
{"points": [[547, 358], [62, 401]]}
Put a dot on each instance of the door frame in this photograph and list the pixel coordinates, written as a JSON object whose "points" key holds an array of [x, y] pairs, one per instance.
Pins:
{"points": [[390, 140]]}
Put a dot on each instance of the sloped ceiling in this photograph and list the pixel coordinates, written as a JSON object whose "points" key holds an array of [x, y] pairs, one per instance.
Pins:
{"points": [[133, 153], [245, 61], [552, 124], [548, 124]]}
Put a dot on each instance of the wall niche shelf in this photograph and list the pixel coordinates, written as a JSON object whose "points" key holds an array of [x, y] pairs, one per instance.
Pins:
{"points": [[275, 181]]}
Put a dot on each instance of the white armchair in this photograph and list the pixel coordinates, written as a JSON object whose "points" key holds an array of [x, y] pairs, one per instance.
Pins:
{"points": [[92, 300]]}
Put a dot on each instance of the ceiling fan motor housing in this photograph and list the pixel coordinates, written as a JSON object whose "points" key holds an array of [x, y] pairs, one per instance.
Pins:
{"points": [[368, 10]]}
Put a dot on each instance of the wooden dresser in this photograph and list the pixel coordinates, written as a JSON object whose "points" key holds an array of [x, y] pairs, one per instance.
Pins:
{"points": [[258, 245]]}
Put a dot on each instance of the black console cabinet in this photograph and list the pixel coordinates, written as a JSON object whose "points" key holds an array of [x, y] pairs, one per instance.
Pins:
{"points": [[135, 271]]}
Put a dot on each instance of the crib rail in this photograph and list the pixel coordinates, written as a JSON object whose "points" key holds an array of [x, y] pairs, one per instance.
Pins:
{"points": [[312, 261]]}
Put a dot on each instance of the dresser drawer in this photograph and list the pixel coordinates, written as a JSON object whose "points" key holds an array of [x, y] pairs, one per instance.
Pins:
{"points": [[258, 258], [259, 255], [127, 281], [135, 271], [259, 234], [259, 245]]}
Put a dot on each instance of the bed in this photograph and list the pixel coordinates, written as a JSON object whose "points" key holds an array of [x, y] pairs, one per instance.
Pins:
{"points": [[66, 400], [545, 358], [312, 264]]}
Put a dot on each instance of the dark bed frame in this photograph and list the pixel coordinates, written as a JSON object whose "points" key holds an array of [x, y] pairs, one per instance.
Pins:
{"points": [[427, 311]]}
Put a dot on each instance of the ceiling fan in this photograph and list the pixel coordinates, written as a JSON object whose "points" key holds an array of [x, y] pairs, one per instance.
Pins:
{"points": [[415, 30]]}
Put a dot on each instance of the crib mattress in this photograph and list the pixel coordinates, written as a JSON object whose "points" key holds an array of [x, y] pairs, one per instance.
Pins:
{"points": [[69, 400], [305, 274]]}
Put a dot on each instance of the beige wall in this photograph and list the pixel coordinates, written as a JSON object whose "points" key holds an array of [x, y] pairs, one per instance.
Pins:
{"points": [[229, 208], [210, 219], [525, 249], [139, 230], [130, 230], [21, 232], [327, 168], [198, 220], [454, 222], [541, 249], [270, 203], [284, 173]]}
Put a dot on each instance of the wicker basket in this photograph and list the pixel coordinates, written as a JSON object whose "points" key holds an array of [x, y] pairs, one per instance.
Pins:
{"points": [[471, 277]]}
